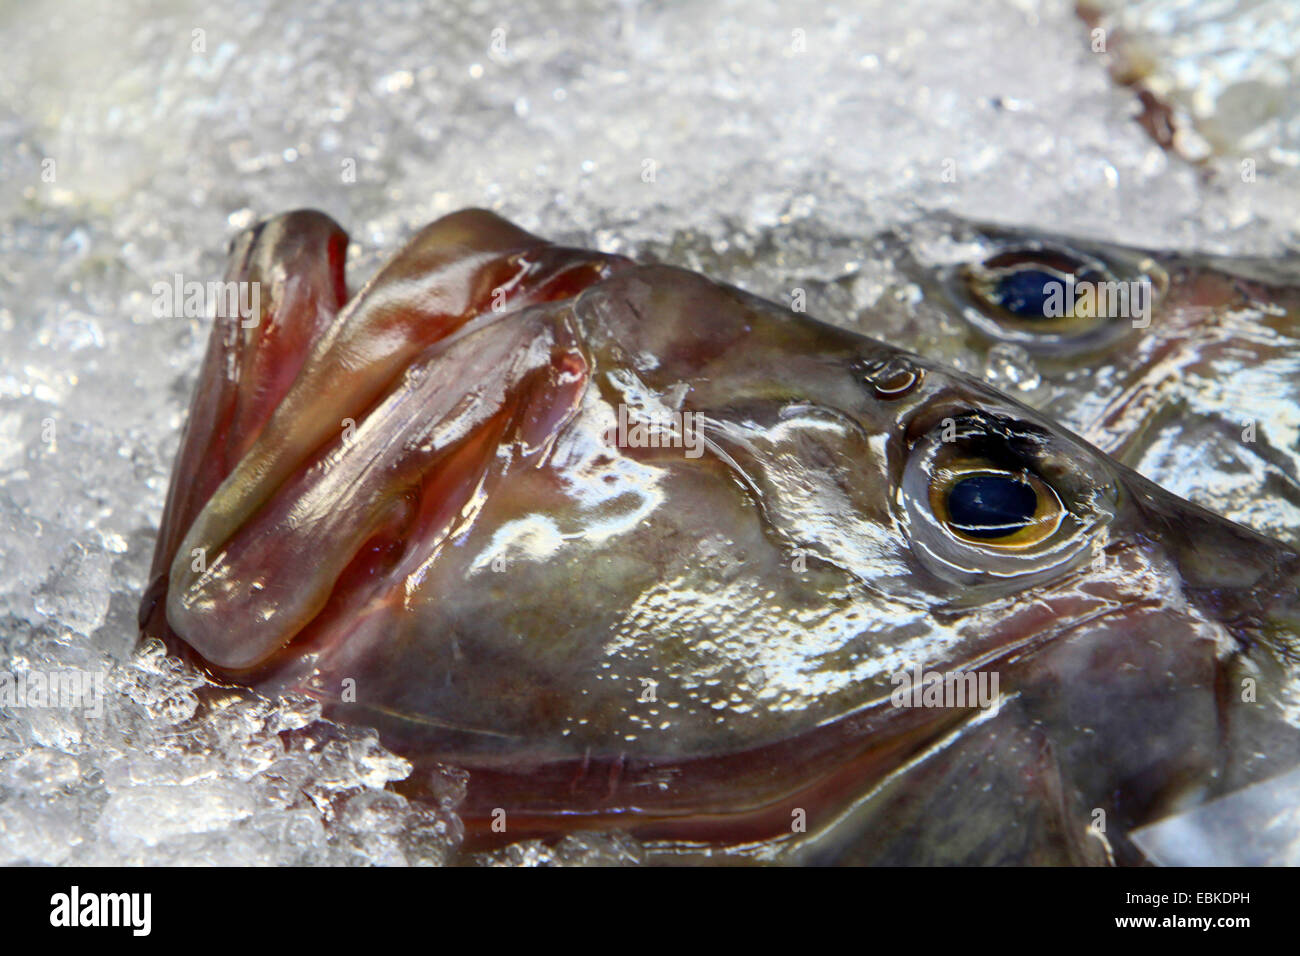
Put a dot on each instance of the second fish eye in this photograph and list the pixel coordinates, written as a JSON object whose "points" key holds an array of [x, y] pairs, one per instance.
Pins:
{"points": [[1025, 292], [1050, 298], [1035, 285], [1031, 293]]}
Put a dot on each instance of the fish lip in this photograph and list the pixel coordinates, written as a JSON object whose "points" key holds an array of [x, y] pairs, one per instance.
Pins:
{"points": [[460, 252]]}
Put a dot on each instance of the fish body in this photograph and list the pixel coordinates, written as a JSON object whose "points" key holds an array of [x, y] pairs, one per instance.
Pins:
{"points": [[641, 551]]}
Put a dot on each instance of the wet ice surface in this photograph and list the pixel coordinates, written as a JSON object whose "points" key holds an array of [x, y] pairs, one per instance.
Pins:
{"points": [[764, 144]]}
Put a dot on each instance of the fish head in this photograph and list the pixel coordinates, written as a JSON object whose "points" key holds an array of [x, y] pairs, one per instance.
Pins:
{"points": [[640, 550]]}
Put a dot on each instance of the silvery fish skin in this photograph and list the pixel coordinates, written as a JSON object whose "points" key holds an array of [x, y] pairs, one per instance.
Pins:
{"points": [[445, 524], [1200, 392]]}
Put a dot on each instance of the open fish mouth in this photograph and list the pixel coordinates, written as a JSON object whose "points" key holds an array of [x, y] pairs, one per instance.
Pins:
{"points": [[639, 550]]}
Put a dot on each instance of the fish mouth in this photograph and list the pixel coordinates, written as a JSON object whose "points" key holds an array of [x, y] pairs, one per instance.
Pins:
{"points": [[375, 442], [249, 365]]}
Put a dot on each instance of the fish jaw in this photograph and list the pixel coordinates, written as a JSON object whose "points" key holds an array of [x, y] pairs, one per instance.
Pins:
{"points": [[461, 267], [296, 260], [489, 578]]}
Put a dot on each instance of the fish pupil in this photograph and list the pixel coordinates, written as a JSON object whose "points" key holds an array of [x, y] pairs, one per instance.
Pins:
{"points": [[1025, 292], [991, 506]]}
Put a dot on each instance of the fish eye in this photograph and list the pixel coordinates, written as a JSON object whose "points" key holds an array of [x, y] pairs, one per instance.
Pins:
{"points": [[1024, 293], [990, 499], [984, 504], [1036, 286], [1032, 292], [1048, 297]]}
